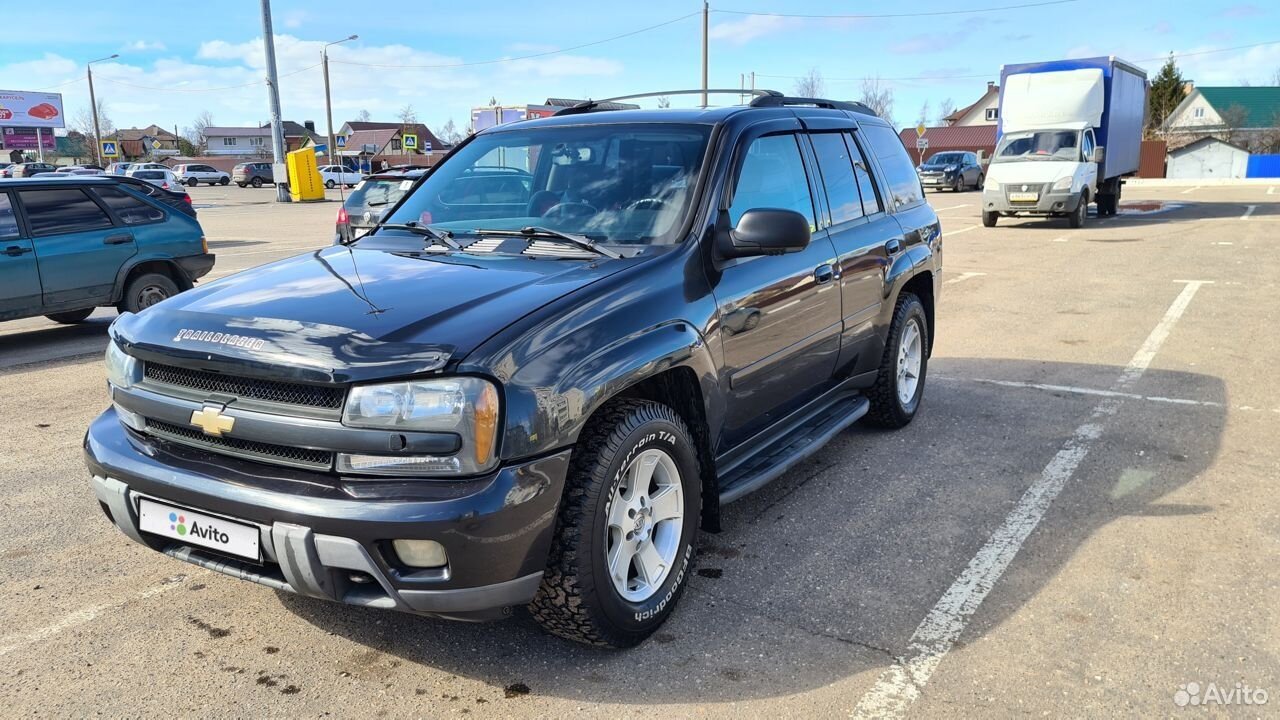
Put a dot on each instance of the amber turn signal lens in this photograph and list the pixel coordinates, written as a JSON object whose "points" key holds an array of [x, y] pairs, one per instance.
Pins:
{"points": [[486, 422]]}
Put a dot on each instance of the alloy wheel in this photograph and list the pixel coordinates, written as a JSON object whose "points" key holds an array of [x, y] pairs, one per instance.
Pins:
{"points": [[646, 517]]}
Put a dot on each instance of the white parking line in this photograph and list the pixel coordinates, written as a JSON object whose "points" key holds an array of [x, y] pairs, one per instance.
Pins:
{"points": [[1271, 190], [953, 207], [901, 683], [1096, 392], [962, 277], [961, 230], [1248, 211], [86, 615], [275, 249], [1059, 239], [1190, 190]]}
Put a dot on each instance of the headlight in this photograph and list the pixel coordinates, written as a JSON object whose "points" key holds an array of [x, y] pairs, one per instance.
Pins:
{"points": [[1063, 183], [466, 406], [951, 168], [122, 369]]}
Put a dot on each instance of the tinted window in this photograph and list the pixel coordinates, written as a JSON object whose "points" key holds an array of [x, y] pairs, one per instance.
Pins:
{"points": [[772, 176], [8, 222], [128, 208], [866, 186], [378, 195], [149, 174], [900, 174], [837, 176], [64, 210]]}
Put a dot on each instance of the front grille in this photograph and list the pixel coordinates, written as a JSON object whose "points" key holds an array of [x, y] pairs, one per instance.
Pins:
{"points": [[284, 393], [279, 454]]}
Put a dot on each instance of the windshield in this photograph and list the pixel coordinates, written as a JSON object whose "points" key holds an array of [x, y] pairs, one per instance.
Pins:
{"points": [[615, 183], [1039, 145], [946, 159]]}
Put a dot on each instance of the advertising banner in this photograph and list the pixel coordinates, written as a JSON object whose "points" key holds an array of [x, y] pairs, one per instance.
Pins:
{"points": [[23, 138], [31, 109]]}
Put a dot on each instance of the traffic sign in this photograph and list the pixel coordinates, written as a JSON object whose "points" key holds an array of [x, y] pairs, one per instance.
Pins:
{"points": [[155, 144], [410, 142], [920, 130], [340, 141], [109, 149], [321, 149], [922, 143], [426, 147]]}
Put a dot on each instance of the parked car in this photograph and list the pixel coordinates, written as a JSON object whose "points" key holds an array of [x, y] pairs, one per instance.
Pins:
{"points": [[955, 170], [71, 244], [253, 173], [118, 168], [135, 167], [22, 170], [86, 171], [194, 174], [335, 175], [163, 178], [373, 196], [535, 399], [175, 196]]}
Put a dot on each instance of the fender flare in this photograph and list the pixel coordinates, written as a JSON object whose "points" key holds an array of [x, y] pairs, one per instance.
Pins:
{"points": [[180, 277]]}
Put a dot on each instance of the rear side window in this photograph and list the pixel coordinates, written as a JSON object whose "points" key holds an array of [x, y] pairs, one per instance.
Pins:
{"points": [[866, 186], [772, 176], [128, 208], [63, 210], [837, 176], [8, 221], [377, 194], [899, 173], [149, 175]]}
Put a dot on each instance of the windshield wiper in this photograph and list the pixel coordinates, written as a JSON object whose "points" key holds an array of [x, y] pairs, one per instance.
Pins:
{"points": [[444, 238], [580, 241]]}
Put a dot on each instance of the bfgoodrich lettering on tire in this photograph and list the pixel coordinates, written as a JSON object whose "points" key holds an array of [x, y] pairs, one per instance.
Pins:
{"points": [[626, 525], [899, 387]]}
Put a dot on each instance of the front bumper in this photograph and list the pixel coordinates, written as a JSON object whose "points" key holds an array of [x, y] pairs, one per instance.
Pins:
{"points": [[328, 537], [1047, 202]]}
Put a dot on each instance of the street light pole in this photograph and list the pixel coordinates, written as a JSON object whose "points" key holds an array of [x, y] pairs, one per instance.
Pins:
{"points": [[328, 103], [273, 94], [93, 102], [706, 12]]}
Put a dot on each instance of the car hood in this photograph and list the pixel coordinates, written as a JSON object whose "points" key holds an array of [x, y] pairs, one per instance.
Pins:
{"points": [[348, 314], [1030, 171]]}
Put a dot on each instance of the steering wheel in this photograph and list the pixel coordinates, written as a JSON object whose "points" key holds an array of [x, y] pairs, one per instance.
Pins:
{"points": [[569, 210], [649, 203]]}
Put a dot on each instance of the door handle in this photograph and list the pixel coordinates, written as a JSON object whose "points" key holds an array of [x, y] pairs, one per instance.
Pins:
{"points": [[117, 239], [824, 274], [16, 250], [894, 246]]}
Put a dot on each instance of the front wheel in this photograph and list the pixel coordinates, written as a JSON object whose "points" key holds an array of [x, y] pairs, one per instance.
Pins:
{"points": [[71, 317], [989, 218], [1077, 217], [895, 397], [625, 530], [224, 181], [330, 184]]}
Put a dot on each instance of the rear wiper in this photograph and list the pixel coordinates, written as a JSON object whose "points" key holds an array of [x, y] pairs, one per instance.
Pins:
{"points": [[580, 241], [444, 238]]}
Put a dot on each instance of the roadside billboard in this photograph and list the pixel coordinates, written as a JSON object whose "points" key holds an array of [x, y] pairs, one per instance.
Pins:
{"points": [[31, 109], [24, 138]]}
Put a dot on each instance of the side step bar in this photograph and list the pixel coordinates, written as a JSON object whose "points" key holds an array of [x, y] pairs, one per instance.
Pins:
{"points": [[798, 442]]}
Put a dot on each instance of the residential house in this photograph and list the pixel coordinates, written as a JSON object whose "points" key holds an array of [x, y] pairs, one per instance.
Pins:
{"points": [[392, 144], [986, 111], [247, 142], [151, 142], [1245, 116], [973, 138], [299, 136]]}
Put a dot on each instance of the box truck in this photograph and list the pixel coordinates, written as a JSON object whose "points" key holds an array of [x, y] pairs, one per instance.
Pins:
{"points": [[1069, 131]]}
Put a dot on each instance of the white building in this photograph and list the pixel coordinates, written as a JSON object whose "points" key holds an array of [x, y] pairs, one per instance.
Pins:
{"points": [[239, 141], [986, 111]]}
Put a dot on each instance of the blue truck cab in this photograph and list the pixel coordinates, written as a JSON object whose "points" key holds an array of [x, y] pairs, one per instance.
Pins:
{"points": [[71, 244]]}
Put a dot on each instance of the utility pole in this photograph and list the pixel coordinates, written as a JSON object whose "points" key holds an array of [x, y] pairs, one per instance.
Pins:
{"points": [[93, 102], [273, 93], [706, 12], [328, 103]]}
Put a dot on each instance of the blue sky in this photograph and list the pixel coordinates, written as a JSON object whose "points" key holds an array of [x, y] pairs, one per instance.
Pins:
{"points": [[179, 59]]}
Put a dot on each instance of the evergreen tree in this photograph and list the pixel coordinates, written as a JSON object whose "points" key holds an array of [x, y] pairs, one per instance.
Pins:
{"points": [[1166, 92]]}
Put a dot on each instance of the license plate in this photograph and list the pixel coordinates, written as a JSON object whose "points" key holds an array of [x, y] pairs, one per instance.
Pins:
{"points": [[930, 181], [1024, 196], [199, 529]]}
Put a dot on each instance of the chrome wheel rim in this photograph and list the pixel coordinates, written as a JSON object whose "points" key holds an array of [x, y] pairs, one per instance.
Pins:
{"points": [[646, 516], [910, 357]]}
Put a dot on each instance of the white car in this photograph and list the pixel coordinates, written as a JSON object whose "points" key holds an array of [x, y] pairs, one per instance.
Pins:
{"points": [[162, 178], [195, 174], [135, 167], [334, 175]]}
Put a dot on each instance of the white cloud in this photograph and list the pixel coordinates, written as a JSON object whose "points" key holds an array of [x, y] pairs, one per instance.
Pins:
{"points": [[144, 46], [295, 18], [740, 32]]}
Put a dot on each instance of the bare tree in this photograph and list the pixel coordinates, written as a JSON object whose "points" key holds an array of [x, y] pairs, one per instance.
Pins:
{"points": [[923, 119], [1269, 139], [198, 127], [945, 110], [407, 115], [364, 116], [82, 122], [448, 133], [664, 101], [1234, 117], [1275, 77], [878, 96], [811, 84]]}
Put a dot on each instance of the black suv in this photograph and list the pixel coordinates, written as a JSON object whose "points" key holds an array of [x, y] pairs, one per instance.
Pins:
{"points": [[534, 395]]}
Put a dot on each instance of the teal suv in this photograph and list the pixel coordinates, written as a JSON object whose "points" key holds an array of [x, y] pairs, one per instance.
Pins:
{"points": [[72, 244]]}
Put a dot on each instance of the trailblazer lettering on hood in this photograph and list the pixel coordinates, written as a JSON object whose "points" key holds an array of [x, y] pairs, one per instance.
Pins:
{"points": [[220, 338]]}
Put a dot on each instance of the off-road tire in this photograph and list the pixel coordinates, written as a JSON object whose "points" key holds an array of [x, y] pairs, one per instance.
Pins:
{"points": [[142, 292], [577, 600], [887, 411], [71, 317], [989, 218]]}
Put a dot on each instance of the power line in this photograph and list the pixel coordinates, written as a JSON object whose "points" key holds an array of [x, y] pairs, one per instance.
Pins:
{"points": [[200, 90], [869, 16], [51, 87], [495, 61]]}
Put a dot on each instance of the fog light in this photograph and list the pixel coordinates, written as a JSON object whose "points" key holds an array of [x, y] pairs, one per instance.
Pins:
{"points": [[398, 464], [421, 553]]}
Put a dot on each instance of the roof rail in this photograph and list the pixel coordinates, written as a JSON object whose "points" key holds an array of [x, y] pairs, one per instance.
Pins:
{"points": [[596, 105], [779, 100]]}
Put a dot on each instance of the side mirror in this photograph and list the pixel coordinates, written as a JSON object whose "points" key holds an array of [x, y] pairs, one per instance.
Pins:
{"points": [[765, 231], [1099, 154]]}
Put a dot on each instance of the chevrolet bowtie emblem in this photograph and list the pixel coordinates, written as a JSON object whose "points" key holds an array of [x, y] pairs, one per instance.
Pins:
{"points": [[212, 421]]}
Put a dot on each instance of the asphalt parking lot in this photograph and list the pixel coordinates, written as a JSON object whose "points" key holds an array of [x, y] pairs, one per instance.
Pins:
{"points": [[1082, 521]]}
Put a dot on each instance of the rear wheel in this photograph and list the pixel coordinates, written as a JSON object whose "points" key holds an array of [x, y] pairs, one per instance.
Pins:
{"points": [[70, 317], [895, 397], [192, 182], [240, 184], [147, 290], [626, 527], [256, 182], [989, 218]]}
